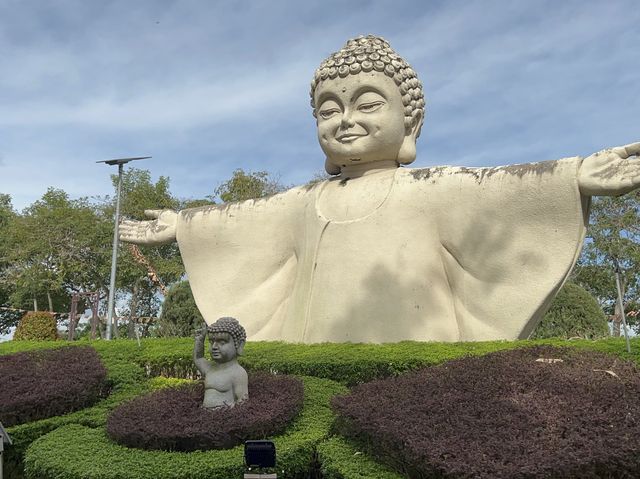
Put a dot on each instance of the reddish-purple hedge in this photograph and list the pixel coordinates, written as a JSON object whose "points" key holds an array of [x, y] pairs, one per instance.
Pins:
{"points": [[40, 384], [503, 415], [172, 419]]}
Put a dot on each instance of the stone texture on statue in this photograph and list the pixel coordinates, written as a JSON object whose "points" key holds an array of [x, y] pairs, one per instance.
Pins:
{"points": [[225, 381], [381, 253]]}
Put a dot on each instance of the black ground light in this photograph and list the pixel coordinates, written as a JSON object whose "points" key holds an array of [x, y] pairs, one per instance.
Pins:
{"points": [[259, 455]]}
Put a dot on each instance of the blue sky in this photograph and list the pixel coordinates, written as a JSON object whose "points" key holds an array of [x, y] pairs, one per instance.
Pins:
{"points": [[210, 86]]}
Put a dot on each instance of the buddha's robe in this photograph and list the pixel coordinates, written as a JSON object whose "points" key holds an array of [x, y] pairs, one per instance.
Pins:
{"points": [[447, 254]]}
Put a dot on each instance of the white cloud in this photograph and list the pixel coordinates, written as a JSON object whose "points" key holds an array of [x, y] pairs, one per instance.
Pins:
{"points": [[206, 87]]}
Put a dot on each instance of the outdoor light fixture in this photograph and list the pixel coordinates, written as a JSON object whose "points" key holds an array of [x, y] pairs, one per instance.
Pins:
{"points": [[258, 455], [114, 252]]}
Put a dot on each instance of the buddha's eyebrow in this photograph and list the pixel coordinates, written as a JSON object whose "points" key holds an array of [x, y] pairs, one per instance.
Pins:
{"points": [[326, 95], [366, 89]]}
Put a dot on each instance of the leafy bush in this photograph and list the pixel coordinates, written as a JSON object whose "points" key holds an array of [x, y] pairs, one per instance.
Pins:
{"points": [[36, 326], [180, 316], [574, 312], [41, 384], [78, 452], [144, 423], [505, 414]]}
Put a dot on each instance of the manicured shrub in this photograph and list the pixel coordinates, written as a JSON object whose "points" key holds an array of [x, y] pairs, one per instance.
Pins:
{"points": [[77, 452], [173, 419], [36, 326], [41, 384], [573, 313], [503, 415]]}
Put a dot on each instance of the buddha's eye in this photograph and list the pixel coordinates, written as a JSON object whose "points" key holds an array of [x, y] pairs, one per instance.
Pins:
{"points": [[370, 107], [328, 113]]}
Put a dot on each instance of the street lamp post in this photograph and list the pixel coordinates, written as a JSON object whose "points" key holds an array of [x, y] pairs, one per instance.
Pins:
{"points": [[616, 265], [114, 252]]}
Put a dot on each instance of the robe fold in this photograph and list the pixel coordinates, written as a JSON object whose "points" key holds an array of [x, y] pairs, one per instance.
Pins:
{"points": [[448, 254]]}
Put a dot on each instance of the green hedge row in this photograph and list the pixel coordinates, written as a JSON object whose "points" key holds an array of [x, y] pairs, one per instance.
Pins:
{"points": [[340, 459], [79, 452], [348, 364]]}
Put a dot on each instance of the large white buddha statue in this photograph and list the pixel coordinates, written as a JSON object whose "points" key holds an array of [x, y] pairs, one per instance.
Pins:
{"points": [[384, 253]]}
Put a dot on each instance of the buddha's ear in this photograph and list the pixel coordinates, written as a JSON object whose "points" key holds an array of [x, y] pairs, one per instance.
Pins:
{"points": [[331, 168], [407, 152], [240, 348]]}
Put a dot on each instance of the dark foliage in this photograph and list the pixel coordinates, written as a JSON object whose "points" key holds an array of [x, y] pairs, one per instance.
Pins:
{"points": [[172, 419], [40, 384], [503, 415]]}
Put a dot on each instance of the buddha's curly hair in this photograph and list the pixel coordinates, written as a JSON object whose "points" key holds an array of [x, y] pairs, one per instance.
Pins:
{"points": [[372, 53], [230, 326]]}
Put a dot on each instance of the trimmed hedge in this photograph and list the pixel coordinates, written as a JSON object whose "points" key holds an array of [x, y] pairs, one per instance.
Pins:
{"points": [[532, 412], [573, 313], [173, 419], [41, 384], [341, 459], [78, 452], [346, 363], [36, 326]]}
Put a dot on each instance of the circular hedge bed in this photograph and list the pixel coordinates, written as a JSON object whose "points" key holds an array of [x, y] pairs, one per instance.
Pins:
{"points": [[531, 412], [52, 382], [173, 419], [79, 452]]}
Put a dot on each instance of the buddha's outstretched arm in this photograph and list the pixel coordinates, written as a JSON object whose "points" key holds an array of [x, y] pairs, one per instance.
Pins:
{"points": [[610, 172], [154, 232]]}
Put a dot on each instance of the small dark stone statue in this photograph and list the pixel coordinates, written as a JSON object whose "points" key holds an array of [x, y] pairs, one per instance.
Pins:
{"points": [[225, 381]]}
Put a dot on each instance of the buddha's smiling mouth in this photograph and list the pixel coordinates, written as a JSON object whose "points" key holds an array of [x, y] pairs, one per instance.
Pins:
{"points": [[348, 137]]}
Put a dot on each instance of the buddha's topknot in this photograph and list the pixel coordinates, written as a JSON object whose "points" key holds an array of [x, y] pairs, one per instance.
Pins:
{"points": [[230, 326], [371, 53]]}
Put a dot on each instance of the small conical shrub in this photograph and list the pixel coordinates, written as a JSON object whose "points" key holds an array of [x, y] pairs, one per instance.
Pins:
{"points": [[36, 326]]}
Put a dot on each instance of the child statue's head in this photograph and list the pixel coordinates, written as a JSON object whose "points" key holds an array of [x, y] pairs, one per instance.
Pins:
{"points": [[368, 104], [227, 338]]}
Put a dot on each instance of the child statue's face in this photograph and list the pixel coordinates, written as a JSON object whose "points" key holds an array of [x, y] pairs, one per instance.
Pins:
{"points": [[223, 348], [360, 118]]}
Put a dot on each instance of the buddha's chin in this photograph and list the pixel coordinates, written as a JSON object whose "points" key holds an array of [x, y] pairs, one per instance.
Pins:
{"points": [[355, 161]]}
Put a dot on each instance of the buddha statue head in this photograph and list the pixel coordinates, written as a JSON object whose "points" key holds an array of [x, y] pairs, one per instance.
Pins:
{"points": [[227, 338], [368, 104]]}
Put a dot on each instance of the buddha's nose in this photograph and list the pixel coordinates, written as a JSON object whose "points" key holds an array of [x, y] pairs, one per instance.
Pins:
{"points": [[347, 120]]}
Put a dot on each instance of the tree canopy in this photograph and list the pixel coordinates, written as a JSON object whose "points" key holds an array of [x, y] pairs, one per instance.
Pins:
{"points": [[613, 238], [58, 246]]}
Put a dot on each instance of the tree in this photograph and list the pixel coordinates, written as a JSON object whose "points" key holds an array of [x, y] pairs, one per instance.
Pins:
{"points": [[8, 317], [180, 315], [245, 186], [613, 238], [56, 246]]}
